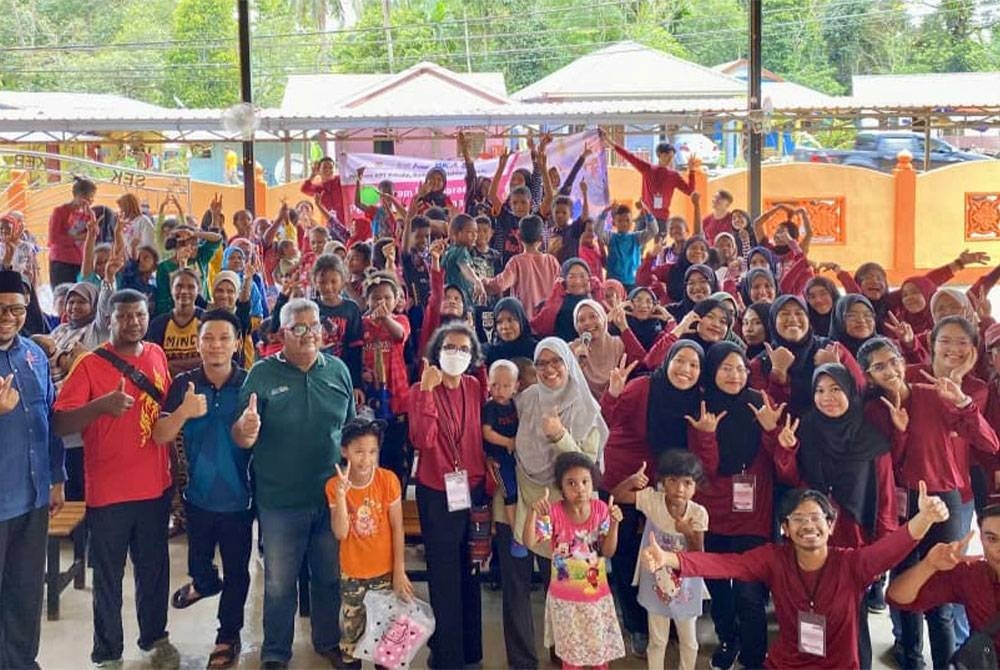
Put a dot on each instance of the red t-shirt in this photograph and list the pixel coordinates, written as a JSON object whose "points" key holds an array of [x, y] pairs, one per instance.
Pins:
{"points": [[331, 194], [713, 226], [377, 338], [62, 246], [120, 460]]}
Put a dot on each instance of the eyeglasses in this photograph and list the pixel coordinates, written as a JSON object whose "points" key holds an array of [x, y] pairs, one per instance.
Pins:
{"points": [[801, 519], [733, 370], [877, 368], [949, 342], [302, 329], [549, 363], [455, 348], [16, 311]]}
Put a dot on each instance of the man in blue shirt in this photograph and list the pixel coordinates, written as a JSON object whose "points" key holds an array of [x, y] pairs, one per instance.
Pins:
{"points": [[203, 404], [31, 477]]}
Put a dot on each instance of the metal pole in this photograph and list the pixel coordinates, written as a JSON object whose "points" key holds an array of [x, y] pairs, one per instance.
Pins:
{"points": [[465, 27], [387, 27], [927, 143], [246, 95], [755, 139]]}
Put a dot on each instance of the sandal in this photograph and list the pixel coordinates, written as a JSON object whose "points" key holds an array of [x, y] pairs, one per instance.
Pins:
{"points": [[225, 656], [182, 597]]}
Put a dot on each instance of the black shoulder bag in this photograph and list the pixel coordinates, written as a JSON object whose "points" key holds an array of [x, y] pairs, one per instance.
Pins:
{"points": [[132, 373], [979, 652]]}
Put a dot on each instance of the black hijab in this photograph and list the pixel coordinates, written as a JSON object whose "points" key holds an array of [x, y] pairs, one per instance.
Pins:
{"points": [[747, 283], [666, 427], [565, 323], [821, 322], [702, 309], [678, 273], [680, 308], [763, 312], [523, 346], [647, 331], [738, 433], [836, 456], [838, 325], [800, 374]]}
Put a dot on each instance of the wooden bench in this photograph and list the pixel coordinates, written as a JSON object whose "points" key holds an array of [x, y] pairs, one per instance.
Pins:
{"points": [[66, 525], [411, 523]]}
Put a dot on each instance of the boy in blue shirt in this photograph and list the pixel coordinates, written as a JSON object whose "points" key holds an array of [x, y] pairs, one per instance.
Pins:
{"points": [[625, 244]]}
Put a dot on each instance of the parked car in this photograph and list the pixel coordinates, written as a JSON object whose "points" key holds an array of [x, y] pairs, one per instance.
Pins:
{"points": [[688, 143], [877, 150]]}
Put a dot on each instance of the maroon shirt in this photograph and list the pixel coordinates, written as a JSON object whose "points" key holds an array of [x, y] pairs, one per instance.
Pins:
{"points": [[713, 226], [845, 576], [974, 585], [445, 427]]}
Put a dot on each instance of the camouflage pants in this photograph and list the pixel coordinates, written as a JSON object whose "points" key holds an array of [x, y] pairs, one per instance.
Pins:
{"points": [[179, 469], [352, 608]]}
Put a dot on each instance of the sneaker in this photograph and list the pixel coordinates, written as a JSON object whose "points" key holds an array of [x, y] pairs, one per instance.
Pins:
{"points": [[724, 656], [876, 598], [518, 550], [115, 664], [639, 643], [164, 655]]}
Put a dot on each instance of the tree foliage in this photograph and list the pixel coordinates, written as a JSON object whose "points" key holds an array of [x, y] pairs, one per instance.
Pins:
{"points": [[173, 52]]}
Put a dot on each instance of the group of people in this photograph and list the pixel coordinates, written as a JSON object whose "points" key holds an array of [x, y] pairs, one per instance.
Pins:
{"points": [[650, 410]]}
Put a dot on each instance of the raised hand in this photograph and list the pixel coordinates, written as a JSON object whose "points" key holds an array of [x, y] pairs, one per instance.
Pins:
{"points": [[767, 414], [660, 312], [945, 556], [828, 266], [931, 507], [343, 480], [969, 257], [618, 317], [552, 425], [899, 329], [9, 396], [900, 417], [619, 376], [431, 377], [194, 404], [542, 506], [828, 354], [687, 325], [707, 422], [781, 358], [638, 479], [786, 438], [947, 389], [614, 511], [116, 402]]}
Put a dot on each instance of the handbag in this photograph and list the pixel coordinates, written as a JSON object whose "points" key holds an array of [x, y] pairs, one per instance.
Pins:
{"points": [[979, 652]]}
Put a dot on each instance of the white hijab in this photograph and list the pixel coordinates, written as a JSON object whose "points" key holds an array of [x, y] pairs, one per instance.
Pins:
{"points": [[578, 410]]}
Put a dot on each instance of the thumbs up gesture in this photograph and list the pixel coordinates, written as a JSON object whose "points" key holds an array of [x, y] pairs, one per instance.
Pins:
{"points": [[194, 404], [249, 422], [931, 507], [655, 557], [542, 506], [639, 480], [431, 377], [552, 425], [614, 511], [116, 402]]}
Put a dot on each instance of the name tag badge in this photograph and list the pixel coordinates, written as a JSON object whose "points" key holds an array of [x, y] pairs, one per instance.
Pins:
{"points": [[657, 202], [744, 492], [812, 634], [902, 503], [456, 486]]}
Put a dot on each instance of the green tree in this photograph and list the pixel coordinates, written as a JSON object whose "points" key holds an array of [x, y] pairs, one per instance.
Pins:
{"points": [[203, 69]]}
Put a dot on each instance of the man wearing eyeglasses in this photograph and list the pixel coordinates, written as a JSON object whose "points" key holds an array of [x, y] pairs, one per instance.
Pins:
{"points": [[296, 403], [31, 477], [817, 589]]}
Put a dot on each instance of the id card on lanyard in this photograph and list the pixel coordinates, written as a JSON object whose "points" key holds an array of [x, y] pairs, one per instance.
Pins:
{"points": [[744, 492], [811, 625], [456, 483]]}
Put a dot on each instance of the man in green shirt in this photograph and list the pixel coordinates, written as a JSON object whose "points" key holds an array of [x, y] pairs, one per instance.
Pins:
{"points": [[296, 403]]}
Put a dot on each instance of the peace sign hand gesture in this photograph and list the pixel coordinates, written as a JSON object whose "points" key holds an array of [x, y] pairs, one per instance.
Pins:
{"points": [[707, 422], [900, 329], [619, 376], [768, 414], [786, 438], [946, 388], [946, 556], [343, 481], [900, 417]]}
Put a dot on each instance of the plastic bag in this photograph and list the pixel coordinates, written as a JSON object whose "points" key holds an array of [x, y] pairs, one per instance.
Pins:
{"points": [[395, 630]]}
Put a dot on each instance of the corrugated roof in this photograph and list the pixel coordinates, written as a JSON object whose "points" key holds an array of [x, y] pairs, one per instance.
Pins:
{"points": [[414, 86], [789, 95], [629, 70], [941, 90], [56, 101]]}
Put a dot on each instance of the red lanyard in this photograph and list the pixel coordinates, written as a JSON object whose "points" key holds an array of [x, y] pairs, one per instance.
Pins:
{"points": [[453, 422]]}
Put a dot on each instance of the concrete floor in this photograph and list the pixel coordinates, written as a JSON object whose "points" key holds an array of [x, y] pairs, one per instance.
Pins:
{"points": [[66, 643]]}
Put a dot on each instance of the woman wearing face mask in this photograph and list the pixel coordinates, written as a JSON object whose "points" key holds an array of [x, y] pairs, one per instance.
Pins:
{"points": [[738, 493], [839, 451], [445, 429], [931, 423], [512, 336], [786, 367], [556, 316], [821, 295], [556, 415], [597, 350], [646, 418]]}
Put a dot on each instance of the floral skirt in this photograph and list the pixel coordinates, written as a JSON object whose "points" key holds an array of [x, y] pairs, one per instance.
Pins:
{"points": [[583, 633]]}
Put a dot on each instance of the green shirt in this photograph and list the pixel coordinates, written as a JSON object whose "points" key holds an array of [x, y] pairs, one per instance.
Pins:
{"points": [[301, 414], [451, 262]]}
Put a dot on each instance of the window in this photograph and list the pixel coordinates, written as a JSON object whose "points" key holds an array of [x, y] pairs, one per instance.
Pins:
{"points": [[384, 146]]}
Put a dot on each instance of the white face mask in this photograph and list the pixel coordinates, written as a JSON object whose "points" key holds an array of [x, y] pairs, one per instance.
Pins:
{"points": [[454, 363]]}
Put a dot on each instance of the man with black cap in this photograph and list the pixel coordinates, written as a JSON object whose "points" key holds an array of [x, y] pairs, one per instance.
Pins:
{"points": [[31, 477]]}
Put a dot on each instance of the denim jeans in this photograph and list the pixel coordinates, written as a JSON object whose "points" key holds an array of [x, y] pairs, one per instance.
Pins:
{"points": [[289, 536]]}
